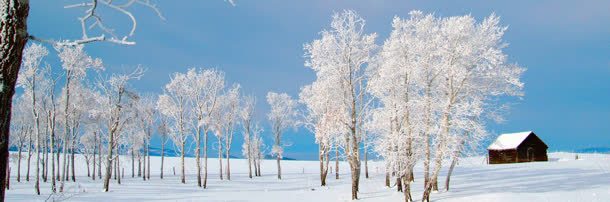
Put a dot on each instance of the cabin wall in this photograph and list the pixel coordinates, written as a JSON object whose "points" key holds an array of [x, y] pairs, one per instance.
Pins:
{"points": [[539, 153], [502, 156], [537, 146]]}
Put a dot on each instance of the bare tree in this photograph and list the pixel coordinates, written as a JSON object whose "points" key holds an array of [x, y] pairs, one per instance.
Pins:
{"points": [[116, 99], [173, 104], [246, 115], [282, 116], [163, 130], [338, 59]]}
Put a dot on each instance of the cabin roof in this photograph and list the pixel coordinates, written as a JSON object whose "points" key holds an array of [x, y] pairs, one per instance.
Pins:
{"points": [[509, 140]]}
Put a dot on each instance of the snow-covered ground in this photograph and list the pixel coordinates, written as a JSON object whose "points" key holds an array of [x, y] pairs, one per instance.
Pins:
{"points": [[561, 179]]}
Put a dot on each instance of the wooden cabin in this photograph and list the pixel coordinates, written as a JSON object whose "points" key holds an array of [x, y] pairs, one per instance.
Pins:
{"points": [[517, 148]]}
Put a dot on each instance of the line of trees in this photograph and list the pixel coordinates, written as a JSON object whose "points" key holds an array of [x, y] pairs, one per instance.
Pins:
{"points": [[103, 118], [198, 103], [422, 96]]}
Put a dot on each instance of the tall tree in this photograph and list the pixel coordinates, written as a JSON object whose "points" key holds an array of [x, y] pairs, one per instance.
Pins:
{"points": [[146, 114], [340, 58], [29, 78], [174, 105], [321, 117], [281, 116], [117, 102], [246, 116], [163, 130], [75, 63], [205, 88]]}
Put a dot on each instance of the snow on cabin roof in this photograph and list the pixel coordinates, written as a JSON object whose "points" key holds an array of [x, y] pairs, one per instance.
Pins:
{"points": [[509, 140]]}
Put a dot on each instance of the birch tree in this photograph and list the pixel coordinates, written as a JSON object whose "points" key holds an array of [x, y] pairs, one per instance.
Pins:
{"points": [[117, 99], [231, 111], [29, 80], [281, 117], [163, 130], [75, 62], [340, 57], [146, 113], [174, 105], [475, 69], [204, 89], [321, 117], [246, 115]]}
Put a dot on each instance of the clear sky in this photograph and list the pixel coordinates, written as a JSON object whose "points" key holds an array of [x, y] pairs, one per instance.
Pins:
{"points": [[564, 44]]}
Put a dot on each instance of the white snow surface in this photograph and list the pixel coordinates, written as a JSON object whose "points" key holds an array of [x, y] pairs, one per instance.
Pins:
{"points": [[561, 179], [509, 140]]}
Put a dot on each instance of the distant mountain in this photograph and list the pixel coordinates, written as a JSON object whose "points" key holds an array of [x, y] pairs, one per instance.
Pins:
{"points": [[594, 150], [169, 151], [273, 157]]}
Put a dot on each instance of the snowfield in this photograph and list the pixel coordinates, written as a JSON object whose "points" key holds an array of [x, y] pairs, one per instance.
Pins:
{"points": [[561, 179]]}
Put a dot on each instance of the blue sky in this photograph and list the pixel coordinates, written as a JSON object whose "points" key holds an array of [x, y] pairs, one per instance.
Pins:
{"points": [[564, 44]]}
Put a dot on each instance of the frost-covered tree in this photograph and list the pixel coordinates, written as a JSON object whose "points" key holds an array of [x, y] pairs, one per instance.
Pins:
{"points": [[224, 119], [75, 62], [435, 78], [339, 58], [204, 90], [281, 117], [246, 116], [232, 104], [30, 78], [117, 102], [21, 128], [146, 113], [257, 149], [163, 130], [322, 118], [173, 104]]}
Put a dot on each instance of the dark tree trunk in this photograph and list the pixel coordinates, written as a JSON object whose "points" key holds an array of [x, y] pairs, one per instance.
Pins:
{"points": [[88, 168], [337, 163], [118, 166], [13, 28], [255, 167], [94, 151], [144, 166], [72, 159], [148, 156], [387, 179], [133, 163], [411, 176], [139, 166], [434, 181], [407, 188], [366, 165], [19, 164], [99, 157], [57, 154], [279, 168], [162, 157], [27, 174], [399, 184], [453, 163], [205, 157]]}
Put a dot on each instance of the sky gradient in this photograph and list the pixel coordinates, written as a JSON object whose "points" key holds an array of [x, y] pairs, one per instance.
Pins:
{"points": [[564, 44]]}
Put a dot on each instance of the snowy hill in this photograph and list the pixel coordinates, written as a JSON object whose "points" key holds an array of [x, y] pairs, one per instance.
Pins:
{"points": [[561, 179], [594, 150]]}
